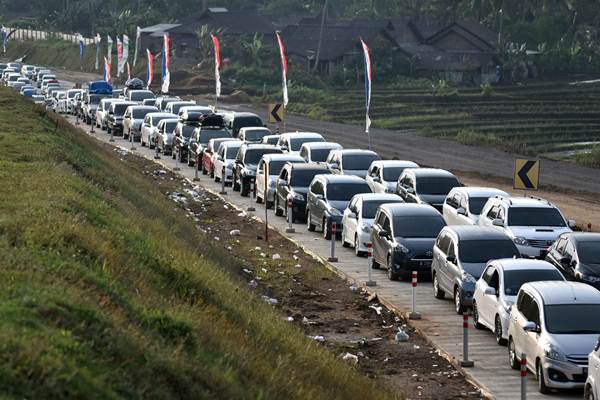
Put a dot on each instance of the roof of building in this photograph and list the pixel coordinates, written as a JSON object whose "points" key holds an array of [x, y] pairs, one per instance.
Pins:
{"points": [[229, 22]]}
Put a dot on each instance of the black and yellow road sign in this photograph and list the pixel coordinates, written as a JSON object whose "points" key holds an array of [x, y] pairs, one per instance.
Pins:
{"points": [[276, 112], [527, 174]]}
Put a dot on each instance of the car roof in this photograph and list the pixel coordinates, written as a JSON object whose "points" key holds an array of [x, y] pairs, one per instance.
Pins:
{"points": [[564, 292], [254, 128], [233, 142], [396, 163], [127, 103], [331, 178], [514, 264], [423, 172], [283, 157], [260, 146], [582, 236], [527, 202], [472, 191], [310, 166], [405, 209], [140, 90], [161, 114], [322, 145], [347, 152], [242, 114], [140, 107], [378, 197], [169, 120], [300, 134], [475, 232]]}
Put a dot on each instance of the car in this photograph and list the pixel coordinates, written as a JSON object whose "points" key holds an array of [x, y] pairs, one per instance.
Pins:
{"points": [[71, 93], [40, 75], [151, 121], [317, 151], [351, 161], [50, 88], [27, 87], [267, 172], [174, 106], [403, 236], [50, 93], [27, 70], [3, 66], [460, 254], [16, 86], [118, 94], [224, 161], [203, 134], [60, 101], [209, 154], [496, 291], [28, 92], [165, 134], [463, 205], [270, 139], [359, 217], [327, 198], [140, 95], [234, 121], [383, 175], [426, 186], [116, 115], [47, 79], [38, 99], [103, 110], [188, 122], [162, 101], [149, 102], [38, 70], [592, 383], [202, 110], [577, 256], [246, 163], [293, 182], [134, 118], [533, 224], [11, 78], [253, 134], [292, 141], [90, 106], [552, 324]]}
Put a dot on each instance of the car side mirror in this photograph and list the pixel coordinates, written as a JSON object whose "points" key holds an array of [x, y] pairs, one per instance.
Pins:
{"points": [[319, 196], [334, 166], [531, 326], [383, 233], [572, 223], [284, 148], [352, 215], [377, 179], [410, 190], [566, 261], [461, 211], [498, 222], [490, 291], [282, 182], [451, 259]]}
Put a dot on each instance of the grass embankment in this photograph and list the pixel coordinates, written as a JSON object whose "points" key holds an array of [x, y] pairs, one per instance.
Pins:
{"points": [[108, 291]]}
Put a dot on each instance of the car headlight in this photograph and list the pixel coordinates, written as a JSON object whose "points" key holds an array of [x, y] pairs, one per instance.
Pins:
{"points": [[335, 212], [521, 241], [466, 277], [365, 228], [553, 353], [298, 196], [589, 278], [400, 248]]}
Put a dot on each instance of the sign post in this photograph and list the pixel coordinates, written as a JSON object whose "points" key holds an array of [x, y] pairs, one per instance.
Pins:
{"points": [[276, 113], [527, 174]]}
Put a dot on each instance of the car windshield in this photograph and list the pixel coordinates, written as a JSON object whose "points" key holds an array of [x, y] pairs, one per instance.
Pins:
{"points": [[170, 126], [254, 155], [476, 204], [206, 135], [95, 99], [119, 109], [242, 122], [358, 161], [345, 191], [140, 113], [513, 280], [276, 166], [589, 252], [417, 226], [391, 174], [436, 185], [534, 216], [571, 319], [232, 152], [301, 178], [139, 96], [319, 155], [481, 251], [255, 135], [296, 143], [369, 208], [188, 130], [272, 140]]}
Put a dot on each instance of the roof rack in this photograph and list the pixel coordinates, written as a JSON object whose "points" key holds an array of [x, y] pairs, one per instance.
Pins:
{"points": [[540, 199], [500, 197]]}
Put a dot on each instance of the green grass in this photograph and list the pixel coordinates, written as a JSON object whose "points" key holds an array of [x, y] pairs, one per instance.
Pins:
{"points": [[591, 159], [108, 291]]}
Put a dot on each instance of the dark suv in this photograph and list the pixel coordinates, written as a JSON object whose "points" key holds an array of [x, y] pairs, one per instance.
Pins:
{"points": [[211, 127], [293, 182], [577, 255], [183, 133], [236, 120], [403, 236], [246, 162], [116, 113], [426, 186], [328, 196]]}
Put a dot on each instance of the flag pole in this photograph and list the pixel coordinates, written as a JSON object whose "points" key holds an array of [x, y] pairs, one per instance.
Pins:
{"points": [[368, 82]]}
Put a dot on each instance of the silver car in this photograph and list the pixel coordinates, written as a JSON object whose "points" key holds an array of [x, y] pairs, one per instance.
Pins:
{"points": [[556, 325], [592, 384]]}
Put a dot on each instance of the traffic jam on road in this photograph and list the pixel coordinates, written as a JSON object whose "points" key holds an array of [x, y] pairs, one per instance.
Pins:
{"points": [[514, 262]]}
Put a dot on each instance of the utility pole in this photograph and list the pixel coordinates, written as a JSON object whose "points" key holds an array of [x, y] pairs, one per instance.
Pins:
{"points": [[323, 17]]}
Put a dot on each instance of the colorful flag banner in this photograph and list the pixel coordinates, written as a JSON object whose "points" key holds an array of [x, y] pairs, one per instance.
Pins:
{"points": [[107, 68], [81, 47], [217, 48], [109, 46], [368, 81], [119, 56], [138, 34], [97, 41], [166, 63], [283, 70], [125, 49], [150, 67]]}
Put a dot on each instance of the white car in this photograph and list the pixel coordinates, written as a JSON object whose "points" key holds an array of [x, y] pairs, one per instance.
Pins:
{"points": [[496, 291], [318, 151], [358, 219], [292, 141], [253, 134], [270, 139], [206, 110], [102, 111], [165, 136], [533, 224], [59, 101], [225, 158], [382, 176], [149, 125], [271, 164], [71, 93], [133, 119], [174, 106], [463, 205], [351, 162], [556, 325], [592, 384]]}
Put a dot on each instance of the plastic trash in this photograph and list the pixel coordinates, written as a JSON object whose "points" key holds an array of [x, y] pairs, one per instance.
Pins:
{"points": [[401, 336]]}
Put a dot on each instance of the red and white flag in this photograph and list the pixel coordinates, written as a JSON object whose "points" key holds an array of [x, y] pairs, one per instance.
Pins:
{"points": [[368, 81], [166, 64], [283, 70], [150, 67], [107, 68], [217, 65], [119, 56]]}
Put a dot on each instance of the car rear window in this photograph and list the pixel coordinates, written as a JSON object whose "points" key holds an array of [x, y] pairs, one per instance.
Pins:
{"points": [[481, 251], [119, 109], [417, 226], [232, 151], [476, 204], [253, 156], [589, 252], [141, 113], [345, 191], [206, 135], [436, 185], [391, 174], [255, 135], [139, 96], [296, 143], [358, 161], [369, 208], [242, 122]]}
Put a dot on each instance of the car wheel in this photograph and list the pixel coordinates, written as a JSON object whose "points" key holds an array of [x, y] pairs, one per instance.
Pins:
{"points": [[589, 394], [278, 211], [144, 145], [476, 323], [437, 292], [539, 374], [326, 230], [498, 331], [309, 225], [512, 355], [392, 276], [458, 306]]}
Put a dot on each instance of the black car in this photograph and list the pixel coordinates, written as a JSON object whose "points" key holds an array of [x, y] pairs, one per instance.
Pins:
{"points": [[210, 127], [577, 256], [183, 134], [293, 182], [327, 198], [236, 120], [403, 236], [426, 186], [116, 112], [246, 162]]}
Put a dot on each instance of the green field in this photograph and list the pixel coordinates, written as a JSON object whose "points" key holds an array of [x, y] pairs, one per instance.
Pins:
{"points": [[107, 291]]}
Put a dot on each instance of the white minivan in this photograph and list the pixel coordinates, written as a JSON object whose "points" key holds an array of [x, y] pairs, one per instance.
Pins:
{"points": [[463, 204]]}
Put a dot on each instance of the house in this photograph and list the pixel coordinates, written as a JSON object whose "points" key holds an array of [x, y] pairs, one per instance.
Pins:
{"points": [[151, 37]]}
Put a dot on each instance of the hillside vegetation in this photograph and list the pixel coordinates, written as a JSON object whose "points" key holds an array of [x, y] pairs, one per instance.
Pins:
{"points": [[107, 291]]}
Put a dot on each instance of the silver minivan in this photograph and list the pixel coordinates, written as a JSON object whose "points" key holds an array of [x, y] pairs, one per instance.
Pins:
{"points": [[556, 325]]}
